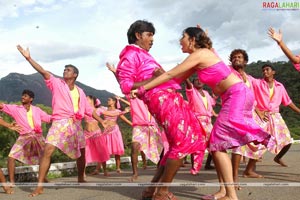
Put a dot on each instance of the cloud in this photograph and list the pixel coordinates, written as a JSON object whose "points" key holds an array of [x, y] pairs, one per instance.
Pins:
{"points": [[54, 51], [92, 32], [230, 23]]}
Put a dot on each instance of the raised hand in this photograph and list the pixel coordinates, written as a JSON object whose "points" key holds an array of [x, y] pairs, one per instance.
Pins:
{"points": [[111, 67], [275, 36], [25, 53], [206, 30]]}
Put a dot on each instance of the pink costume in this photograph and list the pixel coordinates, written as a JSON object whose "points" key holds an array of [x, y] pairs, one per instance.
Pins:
{"points": [[297, 65], [30, 144], [95, 148], [145, 130], [66, 132], [202, 113], [259, 148], [183, 131], [276, 125], [113, 135], [235, 125]]}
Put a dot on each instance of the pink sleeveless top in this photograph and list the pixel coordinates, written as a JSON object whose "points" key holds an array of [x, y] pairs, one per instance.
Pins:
{"points": [[114, 118], [214, 74]]}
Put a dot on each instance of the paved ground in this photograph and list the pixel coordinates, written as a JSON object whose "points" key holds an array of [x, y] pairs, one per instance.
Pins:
{"points": [[279, 183]]}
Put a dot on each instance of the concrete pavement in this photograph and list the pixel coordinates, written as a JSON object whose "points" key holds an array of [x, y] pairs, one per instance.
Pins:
{"points": [[279, 183]]}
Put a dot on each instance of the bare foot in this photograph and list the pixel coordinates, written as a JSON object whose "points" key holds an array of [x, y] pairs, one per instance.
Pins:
{"points": [[119, 171], [252, 175], [106, 174], [227, 198], [280, 162], [214, 196], [208, 197], [11, 184], [133, 178], [145, 166], [148, 194], [82, 181], [36, 192], [8, 190], [95, 172]]}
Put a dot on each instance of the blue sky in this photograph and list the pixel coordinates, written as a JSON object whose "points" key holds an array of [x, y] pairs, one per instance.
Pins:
{"points": [[91, 32]]}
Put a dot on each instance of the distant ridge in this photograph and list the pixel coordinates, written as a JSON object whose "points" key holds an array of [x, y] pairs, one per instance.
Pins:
{"points": [[12, 85]]}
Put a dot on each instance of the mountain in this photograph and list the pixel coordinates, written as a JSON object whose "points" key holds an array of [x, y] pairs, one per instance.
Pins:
{"points": [[12, 86]]}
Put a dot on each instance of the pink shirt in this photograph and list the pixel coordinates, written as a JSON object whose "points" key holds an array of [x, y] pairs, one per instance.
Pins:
{"points": [[297, 65], [136, 65], [140, 115], [19, 113], [196, 103], [62, 103], [262, 95]]}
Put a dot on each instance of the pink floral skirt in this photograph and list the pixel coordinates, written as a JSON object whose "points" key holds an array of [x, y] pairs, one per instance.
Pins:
{"points": [[28, 148], [280, 134], [67, 135], [150, 141], [183, 130], [206, 124]]}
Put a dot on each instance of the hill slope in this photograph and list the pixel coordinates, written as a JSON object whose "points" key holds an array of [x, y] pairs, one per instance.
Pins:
{"points": [[13, 84]]}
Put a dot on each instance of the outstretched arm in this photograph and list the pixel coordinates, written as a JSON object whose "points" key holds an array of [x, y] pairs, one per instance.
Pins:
{"points": [[13, 126], [123, 100], [126, 120], [294, 108], [278, 38], [34, 64]]}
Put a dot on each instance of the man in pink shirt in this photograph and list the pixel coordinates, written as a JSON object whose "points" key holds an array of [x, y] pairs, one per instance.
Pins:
{"points": [[69, 105], [270, 94], [30, 144], [202, 104]]}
